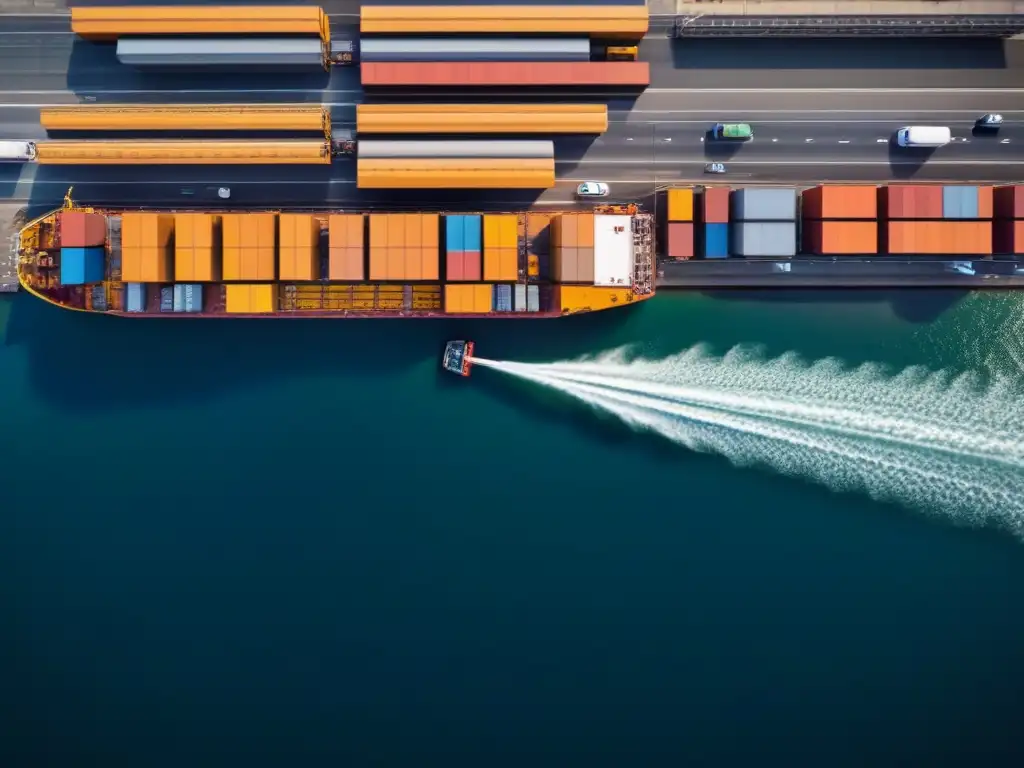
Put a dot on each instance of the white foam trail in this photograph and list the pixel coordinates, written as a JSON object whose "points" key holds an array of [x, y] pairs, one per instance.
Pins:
{"points": [[938, 441]]}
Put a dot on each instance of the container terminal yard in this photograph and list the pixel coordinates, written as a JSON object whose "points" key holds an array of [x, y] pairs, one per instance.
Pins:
{"points": [[417, 102]]}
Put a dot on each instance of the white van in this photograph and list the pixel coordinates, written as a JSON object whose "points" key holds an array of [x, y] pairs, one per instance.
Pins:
{"points": [[923, 136], [17, 151]]}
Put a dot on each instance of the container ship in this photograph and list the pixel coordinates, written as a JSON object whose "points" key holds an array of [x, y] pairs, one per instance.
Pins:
{"points": [[339, 264]]}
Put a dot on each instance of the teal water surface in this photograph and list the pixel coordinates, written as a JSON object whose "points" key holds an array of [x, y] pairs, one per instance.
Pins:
{"points": [[298, 543]]}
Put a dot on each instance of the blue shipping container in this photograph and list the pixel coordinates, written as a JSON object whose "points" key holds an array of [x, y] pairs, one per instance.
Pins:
{"points": [[167, 299], [80, 266], [454, 229], [960, 202], [135, 297], [471, 233], [503, 298], [716, 241], [188, 297]]}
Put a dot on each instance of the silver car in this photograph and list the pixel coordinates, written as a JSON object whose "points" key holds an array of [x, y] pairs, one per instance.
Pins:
{"points": [[592, 189]]}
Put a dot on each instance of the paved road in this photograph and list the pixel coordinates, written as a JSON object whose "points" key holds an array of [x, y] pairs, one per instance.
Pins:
{"points": [[820, 110]]}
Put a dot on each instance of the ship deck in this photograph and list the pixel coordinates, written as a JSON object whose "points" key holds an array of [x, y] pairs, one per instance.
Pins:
{"points": [[39, 274], [12, 219]]}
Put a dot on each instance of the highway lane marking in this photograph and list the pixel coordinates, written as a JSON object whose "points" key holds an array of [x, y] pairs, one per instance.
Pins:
{"points": [[792, 162]]}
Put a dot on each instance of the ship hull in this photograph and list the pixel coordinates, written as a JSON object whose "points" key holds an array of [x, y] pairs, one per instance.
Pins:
{"points": [[42, 262]]}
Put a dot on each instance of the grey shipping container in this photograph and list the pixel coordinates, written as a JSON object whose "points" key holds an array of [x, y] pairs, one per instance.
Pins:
{"points": [[135, 297], [533, 298], [99, 298], [450, 149], [520, 297], [763, 238], [167, 299], [248, 54], [474, 49], [188, 297], [503, 298], [776, 204]]}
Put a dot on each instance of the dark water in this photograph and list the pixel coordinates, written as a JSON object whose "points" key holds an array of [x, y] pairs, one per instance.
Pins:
{"points": [[295, 543]]}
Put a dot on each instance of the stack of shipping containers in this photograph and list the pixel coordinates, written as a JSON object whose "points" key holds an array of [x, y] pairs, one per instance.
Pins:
{"points": [[715, 223], [551, 46], [928, 219], [463, 248], [346, 240], [679, 224], [404, 246], [763, 222], [1009, 225], [231, 37], [840, 220], [298, 256], [501, 256], [572, 248], [82, 248]]}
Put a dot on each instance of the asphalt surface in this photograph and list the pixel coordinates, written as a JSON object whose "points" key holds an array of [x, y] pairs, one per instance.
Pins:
{"points": [[821, 110]]}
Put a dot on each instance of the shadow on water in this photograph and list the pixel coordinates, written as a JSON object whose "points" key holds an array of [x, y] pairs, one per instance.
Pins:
{"points": [[86, 362], [780, 54], [915, 306]]}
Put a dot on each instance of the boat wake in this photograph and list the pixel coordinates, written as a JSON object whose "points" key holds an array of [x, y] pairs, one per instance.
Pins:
{"points": [[941, 442]]}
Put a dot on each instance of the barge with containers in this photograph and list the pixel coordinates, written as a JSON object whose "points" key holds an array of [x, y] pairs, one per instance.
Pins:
{"points": [[338, 264], [843, 236]]}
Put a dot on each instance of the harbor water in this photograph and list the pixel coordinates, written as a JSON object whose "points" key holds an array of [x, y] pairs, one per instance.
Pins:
{"points": [[299, 542]]}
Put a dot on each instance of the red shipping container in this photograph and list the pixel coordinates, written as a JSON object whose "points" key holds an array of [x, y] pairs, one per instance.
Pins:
{"points": [[463, 265], [910, 201], [82, 230], [1009, 237], [506, 73], [680, 240], [716, 205], [1009, 202]]}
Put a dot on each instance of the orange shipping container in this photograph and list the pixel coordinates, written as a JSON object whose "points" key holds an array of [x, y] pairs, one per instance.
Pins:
{"points": [[299, 254], [113, 22], [404, 246], [250, 246], [840, 237], [146, 247], [347, 260], [467, 298], [481, 118], [196, 248], [986, 202], [456, 173], [834, 201], [501, 247], [939, 237], [628, 22]]}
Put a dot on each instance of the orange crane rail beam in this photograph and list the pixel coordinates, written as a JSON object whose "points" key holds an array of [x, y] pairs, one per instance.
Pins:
{"points": [[113, 22], [628, 22], [188, 117], [311, 152], [481, 118]]}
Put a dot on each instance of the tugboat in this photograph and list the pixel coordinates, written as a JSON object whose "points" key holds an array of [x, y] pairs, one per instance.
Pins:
{"points": [[458, 357]]}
